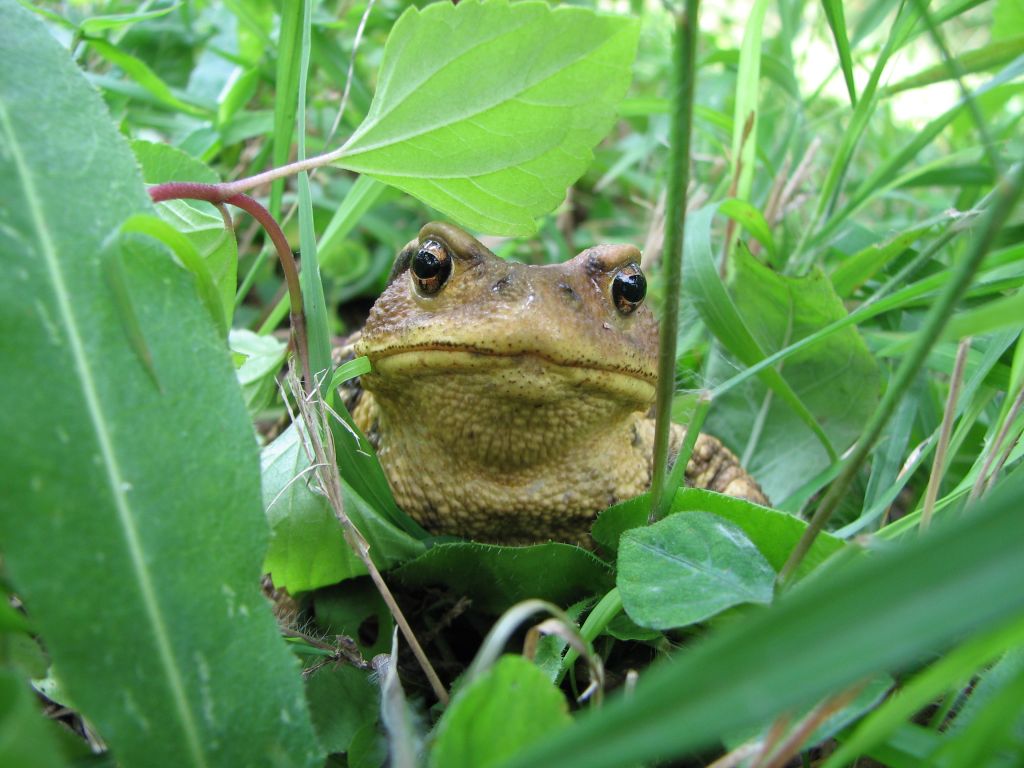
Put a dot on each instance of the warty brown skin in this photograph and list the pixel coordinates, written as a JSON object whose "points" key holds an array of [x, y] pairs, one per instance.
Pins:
{"points": [[511, 405]]}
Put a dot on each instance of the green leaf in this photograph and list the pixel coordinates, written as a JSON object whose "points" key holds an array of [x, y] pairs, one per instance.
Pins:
{"points": [[314, 306], [705, 290], [487, 111], [162, 162], [990, 56], [686, 568], [151, 225], [884, 613], [775, 533], [507, 708], [836, 380], [1007, 18], [286, 96], [345, 609], [1003, 312], [130, 519], [308, 549], [926, 686], [349, 370], [744, 124], [258, 359], [497, 577], [342, 700], [855, 270], [751, 219]]}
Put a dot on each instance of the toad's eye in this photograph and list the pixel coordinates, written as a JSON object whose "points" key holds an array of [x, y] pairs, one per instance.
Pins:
{"points": [[431, 267], [629, 286]]}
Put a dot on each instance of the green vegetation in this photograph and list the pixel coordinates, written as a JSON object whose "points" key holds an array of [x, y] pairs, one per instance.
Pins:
{"points": [[849, 323]]}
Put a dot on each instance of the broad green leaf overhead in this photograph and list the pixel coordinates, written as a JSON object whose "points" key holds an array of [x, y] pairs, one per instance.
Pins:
{"points": [[484, 113], [130, 517]]}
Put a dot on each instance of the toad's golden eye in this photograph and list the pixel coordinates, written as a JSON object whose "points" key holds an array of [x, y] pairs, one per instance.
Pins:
{"points": [[431, 267], [629, 286]]}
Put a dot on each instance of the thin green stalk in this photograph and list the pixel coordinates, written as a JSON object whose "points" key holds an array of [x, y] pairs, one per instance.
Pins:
{"points": [[957, 72], [675, 478], [675, 222], [1006, 196]]}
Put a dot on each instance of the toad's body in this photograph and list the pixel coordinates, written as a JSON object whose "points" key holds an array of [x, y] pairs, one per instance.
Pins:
{"points": [[510, 402]]}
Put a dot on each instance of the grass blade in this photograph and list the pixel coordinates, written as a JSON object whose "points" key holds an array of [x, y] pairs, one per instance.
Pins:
{"points": [[880, 613], [314, 305], [837, 23]]}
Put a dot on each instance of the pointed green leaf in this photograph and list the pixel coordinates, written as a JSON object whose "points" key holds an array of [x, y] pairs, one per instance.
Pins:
{"points": [[837, 380], [837, 23], [130, 519], [484, 113], [308, 549]]}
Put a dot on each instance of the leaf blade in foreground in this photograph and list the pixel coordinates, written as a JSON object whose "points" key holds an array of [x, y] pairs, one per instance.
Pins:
{"points": [[119, 492]]}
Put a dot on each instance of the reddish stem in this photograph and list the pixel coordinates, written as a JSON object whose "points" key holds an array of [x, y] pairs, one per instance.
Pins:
{"points": [[218, 195]]}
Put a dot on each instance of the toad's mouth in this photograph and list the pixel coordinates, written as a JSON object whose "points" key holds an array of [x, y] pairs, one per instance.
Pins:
{"points": [[534, 366]]}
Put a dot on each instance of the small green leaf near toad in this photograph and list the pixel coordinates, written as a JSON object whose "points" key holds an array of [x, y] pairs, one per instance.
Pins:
{"points": [[510, 706], [687, 568]]}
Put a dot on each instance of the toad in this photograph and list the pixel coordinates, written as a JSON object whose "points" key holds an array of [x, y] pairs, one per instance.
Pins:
{"points": [[511, 403]]}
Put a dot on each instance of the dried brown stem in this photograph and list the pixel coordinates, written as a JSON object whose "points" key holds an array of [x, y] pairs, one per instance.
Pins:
{"points": [[948, 416], [318, 432], [983, 475]]}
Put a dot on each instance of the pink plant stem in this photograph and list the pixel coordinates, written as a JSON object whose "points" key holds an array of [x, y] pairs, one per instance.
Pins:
{"points": [[219, 194]]}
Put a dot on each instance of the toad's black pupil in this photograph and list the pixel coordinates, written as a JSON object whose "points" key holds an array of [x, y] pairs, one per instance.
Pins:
{"points": [[426, 265], [630, 286]]}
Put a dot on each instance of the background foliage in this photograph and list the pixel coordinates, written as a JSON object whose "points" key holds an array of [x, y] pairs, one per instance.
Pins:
{"points": [[847, 160]]}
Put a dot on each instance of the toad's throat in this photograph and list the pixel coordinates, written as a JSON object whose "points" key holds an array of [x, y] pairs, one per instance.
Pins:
{"points": [[452, 358]]}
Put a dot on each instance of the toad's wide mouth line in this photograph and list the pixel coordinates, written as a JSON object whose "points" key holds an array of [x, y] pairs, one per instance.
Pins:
{"points": [[459, 356]]}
